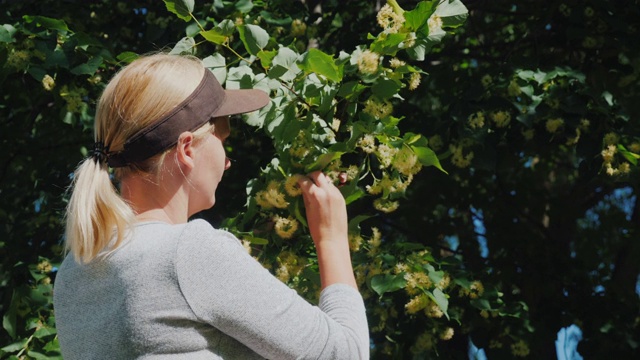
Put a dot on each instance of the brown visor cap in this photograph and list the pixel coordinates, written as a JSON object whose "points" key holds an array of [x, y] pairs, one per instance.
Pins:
{"points": [[209, 100]]}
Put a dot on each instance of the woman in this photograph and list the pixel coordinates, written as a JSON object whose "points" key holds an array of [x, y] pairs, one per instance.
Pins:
{"points": [[141, 281]]}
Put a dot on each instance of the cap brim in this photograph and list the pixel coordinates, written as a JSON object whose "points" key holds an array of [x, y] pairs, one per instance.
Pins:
{"points": [[241, 101]]}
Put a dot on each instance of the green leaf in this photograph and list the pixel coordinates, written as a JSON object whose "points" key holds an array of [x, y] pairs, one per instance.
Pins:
{"points": [[440, 299], [318, 62], [49, 23], [385, 88], [269, 19], [226, 27], [127, 56], [44, 331], [89, 68], [254, 38], [266, 58], [5, 35], [388, 45], [18, 345], [322, 161], [182, 8], [244, 6], [186, 45], [354, 224], [218, 66], [452, 12], [384, 283], [285, 65], [351, 89], [427, 157], [214, 36], [631, 157], [418, 17]]}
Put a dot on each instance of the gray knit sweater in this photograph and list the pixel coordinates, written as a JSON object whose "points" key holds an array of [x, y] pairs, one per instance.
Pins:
{"points": [[190, 291]]}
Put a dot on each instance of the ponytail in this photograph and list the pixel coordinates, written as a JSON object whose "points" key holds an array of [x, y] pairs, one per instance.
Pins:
{"points": [[95, 213]]}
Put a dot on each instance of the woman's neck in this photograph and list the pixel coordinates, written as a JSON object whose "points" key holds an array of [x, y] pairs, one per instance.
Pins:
{"points": [[164, 201]]}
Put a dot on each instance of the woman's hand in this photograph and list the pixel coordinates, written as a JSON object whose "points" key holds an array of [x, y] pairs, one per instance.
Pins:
{"points": [[327, 218]]}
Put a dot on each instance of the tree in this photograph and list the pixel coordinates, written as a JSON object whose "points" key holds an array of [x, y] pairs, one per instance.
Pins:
{"points": [[529, 109]]}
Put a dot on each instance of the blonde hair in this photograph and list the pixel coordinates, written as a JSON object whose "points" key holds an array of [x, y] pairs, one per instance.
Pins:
{"points": [[137, 96]]}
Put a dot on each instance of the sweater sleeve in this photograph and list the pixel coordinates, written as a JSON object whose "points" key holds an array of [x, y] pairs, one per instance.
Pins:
{"points": [[228, 289]]}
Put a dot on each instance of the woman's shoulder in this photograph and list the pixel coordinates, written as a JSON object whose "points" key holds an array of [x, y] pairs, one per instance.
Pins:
{"points": [[201, 233]]}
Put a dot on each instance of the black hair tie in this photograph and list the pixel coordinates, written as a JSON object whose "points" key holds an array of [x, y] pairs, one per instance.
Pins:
{"points": [[100, 152]]}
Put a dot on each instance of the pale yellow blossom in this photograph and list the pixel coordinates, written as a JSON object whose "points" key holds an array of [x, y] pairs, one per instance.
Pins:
{"points": [[501, 118], [406, 161], [378, 110], [271, 197], [414, 81], [435, 24], [609, 153], [553, 125], [48, 83], [416, 304], [447, 334], [410, 40], [396, 63], [476, 120], [436, 143], [367, 143], [291, 185], [389, 20], [285, 227], [368, 62], [610, 139], [385, 205], [520, 349], [386, 154], [298, 28]]}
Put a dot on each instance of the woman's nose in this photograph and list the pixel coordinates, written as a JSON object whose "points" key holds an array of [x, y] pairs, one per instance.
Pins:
{"points": [[227, 163]]}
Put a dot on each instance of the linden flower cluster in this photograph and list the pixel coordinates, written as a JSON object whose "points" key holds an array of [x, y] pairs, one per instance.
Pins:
{"points": [[375, 241], [285, 227], [553, 125], [476, 120], [436, 143], [368, 62], [386, 154], [409, 41], [414, 81], [388, 184], [416, 281], [459, 158], [73, 98], [377, 109], [355, 241], [271, 197], [514, 89], [501, 118], [298, 28], [48, 83], [423, 343], [389, 20], [447, 334], [475, 290], [289, 265], [44, 267], [367, 143], [423, 302], [396, 63], [291, 185], [435, 24], [385, 205], [608, 157], [406, 161], [528, 134], [300, 146], [520, 349]]}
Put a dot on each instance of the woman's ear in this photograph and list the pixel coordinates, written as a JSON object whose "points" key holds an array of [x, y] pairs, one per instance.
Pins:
{"points": [[185, 151]]}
